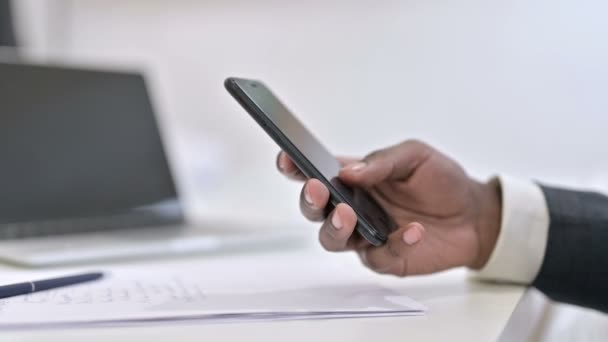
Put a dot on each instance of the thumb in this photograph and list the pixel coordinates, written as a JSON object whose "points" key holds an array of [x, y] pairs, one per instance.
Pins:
{"points": [[395, 163]]}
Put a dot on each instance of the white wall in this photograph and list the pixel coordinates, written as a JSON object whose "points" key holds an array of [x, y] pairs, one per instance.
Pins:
{"points": [[515, 86]]}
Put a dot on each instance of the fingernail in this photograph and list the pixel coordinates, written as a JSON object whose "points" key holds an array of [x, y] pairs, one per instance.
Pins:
{"points": [[336, 221], [307, 196], [357, 166], [412, 236], [282, 162]]}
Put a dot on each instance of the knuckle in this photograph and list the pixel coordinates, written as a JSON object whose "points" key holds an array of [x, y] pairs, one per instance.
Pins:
{"points": [[401, 270], [365, 260], [417, 145], [326, 241], [374, 155], [310, 214], [375, 263], [413, 143], [392, 248]]}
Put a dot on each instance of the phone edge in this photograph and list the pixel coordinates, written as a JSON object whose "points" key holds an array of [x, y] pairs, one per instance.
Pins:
{"points": [[283, 142]]}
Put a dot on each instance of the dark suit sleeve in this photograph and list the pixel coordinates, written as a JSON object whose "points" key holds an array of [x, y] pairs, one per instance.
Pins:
{"points": [[575, 266], [7, 33]]}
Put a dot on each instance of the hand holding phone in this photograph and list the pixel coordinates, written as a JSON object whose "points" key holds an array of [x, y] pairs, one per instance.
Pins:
{"points": [[445, 218], [312, 158]]}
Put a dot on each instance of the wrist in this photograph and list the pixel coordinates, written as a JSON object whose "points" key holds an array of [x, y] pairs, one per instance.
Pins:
{"points": [[487, 225]]}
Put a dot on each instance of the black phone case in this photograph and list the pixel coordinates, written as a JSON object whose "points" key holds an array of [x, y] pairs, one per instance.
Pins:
{"points": [[309, 170]]}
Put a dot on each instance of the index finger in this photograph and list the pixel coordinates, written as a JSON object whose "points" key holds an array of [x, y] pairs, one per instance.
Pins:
{"points": [[288, 168]]}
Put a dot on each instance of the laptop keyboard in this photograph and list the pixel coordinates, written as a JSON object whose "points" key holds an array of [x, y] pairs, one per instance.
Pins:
{"points": [[22, 230]]}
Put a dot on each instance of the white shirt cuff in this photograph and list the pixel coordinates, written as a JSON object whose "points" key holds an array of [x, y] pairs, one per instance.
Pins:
{"points": [[520, 247]]}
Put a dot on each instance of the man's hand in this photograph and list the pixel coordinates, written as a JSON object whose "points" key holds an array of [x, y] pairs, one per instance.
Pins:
{"points": [[445, 219]]}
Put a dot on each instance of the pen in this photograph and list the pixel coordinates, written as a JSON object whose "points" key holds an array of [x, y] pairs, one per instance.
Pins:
{"points": [[46, 284]]}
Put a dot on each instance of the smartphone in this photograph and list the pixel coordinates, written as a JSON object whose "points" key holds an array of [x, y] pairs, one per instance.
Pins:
{"points": [[313, 159]]}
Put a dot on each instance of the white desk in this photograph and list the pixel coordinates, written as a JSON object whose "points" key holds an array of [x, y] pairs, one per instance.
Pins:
{"points": [[458, 307]]}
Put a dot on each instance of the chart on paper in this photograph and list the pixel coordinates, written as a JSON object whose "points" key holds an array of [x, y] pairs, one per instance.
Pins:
{"points": [[133, 291]]}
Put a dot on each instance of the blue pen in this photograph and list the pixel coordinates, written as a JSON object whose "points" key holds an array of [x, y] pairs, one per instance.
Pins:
{"points": [[47, 284]]}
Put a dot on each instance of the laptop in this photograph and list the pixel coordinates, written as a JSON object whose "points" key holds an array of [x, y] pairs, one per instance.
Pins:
{"points": [[84, 174]]}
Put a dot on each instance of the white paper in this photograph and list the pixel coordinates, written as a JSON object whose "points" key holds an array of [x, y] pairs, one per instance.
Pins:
{"points": [[224, 290]]}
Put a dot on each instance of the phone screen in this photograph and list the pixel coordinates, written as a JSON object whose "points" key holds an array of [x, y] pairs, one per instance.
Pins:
{"points": [[310, 156]]}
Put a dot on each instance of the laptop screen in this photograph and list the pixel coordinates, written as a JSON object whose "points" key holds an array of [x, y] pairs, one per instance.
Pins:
{"points": [[78, 143]]}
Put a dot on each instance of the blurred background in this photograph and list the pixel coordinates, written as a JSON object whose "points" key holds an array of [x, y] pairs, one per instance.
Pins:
{"points": [[516, 87]]}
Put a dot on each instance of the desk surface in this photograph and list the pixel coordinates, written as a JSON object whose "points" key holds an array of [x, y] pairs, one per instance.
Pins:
{"points": [[457, 306]]}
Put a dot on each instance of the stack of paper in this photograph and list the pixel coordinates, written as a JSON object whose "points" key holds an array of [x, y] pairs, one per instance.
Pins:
{"points": [[230, 290]]}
